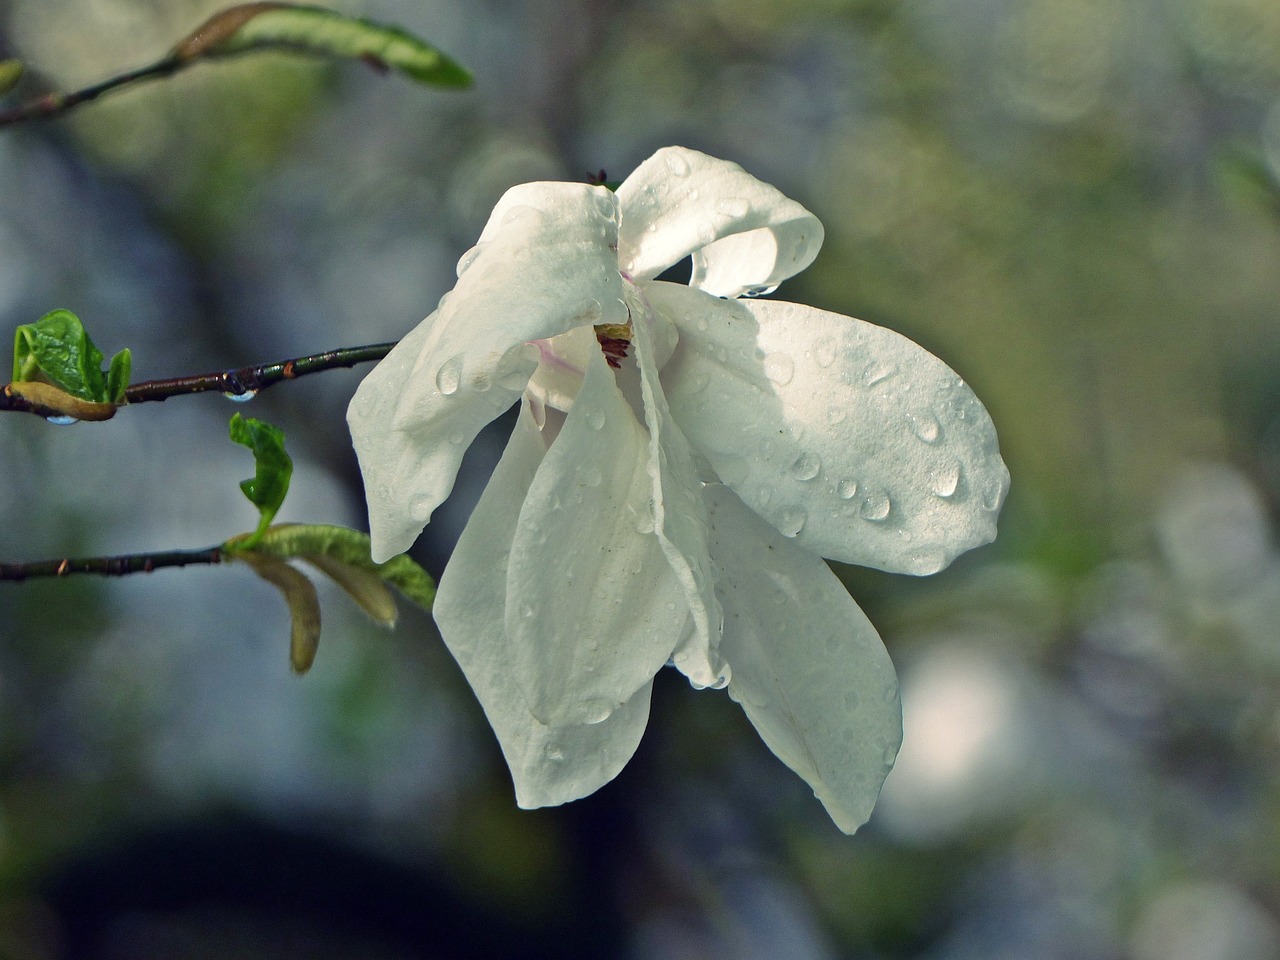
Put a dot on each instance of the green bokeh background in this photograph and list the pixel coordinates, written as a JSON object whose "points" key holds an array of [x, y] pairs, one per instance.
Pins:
{"points": [[1075, 203]]}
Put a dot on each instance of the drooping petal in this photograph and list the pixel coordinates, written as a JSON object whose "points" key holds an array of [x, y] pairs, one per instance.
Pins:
{"points": [[679, 514], [545, 265], [593, 609], [808, 667], [744, 234], [549, 765], [851, 438]]}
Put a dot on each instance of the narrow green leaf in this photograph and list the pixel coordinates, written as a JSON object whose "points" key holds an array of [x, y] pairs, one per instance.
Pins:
{"points": [[10, 74], [269, 485], [350, 547], [365, 587], [304, 605], [57, 348], [324, 32]]}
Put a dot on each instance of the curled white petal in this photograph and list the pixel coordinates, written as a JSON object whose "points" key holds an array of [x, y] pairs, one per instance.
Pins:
{"points": [[549, 765], [808, 667], [849, 437], [546, 264], [744, 235]]}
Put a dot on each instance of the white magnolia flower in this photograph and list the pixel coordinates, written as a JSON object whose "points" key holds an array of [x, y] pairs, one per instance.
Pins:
{"points": [[682, 461]]}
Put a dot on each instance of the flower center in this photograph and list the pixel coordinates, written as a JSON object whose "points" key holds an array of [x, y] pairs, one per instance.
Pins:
{"points": [[615, 340]]}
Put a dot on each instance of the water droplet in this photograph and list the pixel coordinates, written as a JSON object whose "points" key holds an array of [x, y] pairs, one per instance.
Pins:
{"points": [[847, 489], [926, 427], [652, 228], [596, 711], [591, 476], [807, 466], [589, 312], [481, 382], [879, 372], [517, 213], [64, 421], [677, 164], [875, 506], [764, 493], [607, 205], [449, 376], [791, 521], [733, 207], [243, 397], [554, 753], [779, 368], [837, 415], [825, 352], [761, 290], [992, 492], [889, 755], [595, 418], [465, 262], [925, 562], [720, 682], [945, 481]]}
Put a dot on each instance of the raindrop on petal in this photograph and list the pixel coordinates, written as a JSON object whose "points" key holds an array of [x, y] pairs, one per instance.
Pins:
{"points": [[589, 312], [875, 506], [945, 481], [925, 562], [806, 467], [733, 207], [779, 368], [837, 415], [596, 711], [791, 521], [595, 418], [554, 753], [880, 372], [825, 352], [926, 427], [763, 290], [465, 262], [677, 164], [449, 376], [847, 489]]}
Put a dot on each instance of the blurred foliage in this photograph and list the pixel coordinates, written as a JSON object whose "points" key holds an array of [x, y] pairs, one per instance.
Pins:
{"points": [[1073, 202]]}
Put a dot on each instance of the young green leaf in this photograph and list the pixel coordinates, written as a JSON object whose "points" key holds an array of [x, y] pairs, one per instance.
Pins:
{"points": [[304, 605], [267, 488], [363, 586], [57, 348], [350, 547], [308, 29]]}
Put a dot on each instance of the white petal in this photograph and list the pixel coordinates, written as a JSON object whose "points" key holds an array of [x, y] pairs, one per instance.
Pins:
{"points": [[546, 265], [593, 609], [744, 234], [851, 438], [550, 765], [808, 667], [679, 515]]}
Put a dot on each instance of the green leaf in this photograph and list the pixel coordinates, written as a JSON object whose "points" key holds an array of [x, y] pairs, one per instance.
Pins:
{"points": [[267, 488], [256, 26], [10, 74], [304, 606], [57, 348], [350, 547]]}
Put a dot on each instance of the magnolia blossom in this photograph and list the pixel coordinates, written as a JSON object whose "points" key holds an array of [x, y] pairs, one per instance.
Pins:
{"points": [[682, 461]]}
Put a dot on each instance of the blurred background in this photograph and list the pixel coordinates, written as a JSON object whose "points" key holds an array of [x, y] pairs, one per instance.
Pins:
{"points": [[1075, 203]]}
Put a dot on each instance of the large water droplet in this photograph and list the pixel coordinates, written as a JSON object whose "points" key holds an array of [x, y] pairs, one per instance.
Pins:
{"points": [[926, 427], [760, 290], [733, 207], [875, 506], [243, 396], [879, 372], [847, 489], [791, 521], [837, 415], [807, 466], [449, 376], [64, 421], [825, 352], [927, 561], [677, 164], [945, 480], [779, 368], [596, 711], [589, 312]]}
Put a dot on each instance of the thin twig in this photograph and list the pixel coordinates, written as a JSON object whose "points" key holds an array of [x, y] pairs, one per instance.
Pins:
{"points": [[241, 382], [110, 566], [53, 104]]}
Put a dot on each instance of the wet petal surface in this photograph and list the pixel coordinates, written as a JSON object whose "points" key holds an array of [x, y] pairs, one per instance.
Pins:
{"points": [[850, 438]]}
